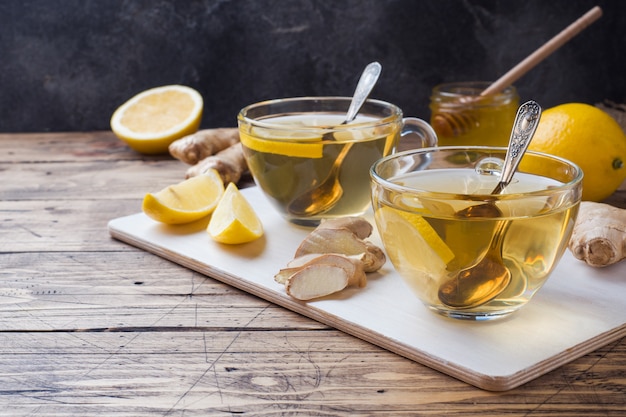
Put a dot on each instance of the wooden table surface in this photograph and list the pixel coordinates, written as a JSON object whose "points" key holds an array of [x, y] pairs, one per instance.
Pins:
{"points": [[91, 326]]}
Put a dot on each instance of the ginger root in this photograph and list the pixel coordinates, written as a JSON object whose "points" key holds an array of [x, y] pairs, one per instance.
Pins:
{"points": [[357, 225], [229, 163], [332, 257], [322, 275], [352, 265], [193, 148], [599, 236], [342, 240], [218, 149]]}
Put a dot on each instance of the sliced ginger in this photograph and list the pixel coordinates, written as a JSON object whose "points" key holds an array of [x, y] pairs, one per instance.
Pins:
{"points": [[316, 281], [352, 265], [342, 240], [357, 225], [332, 257]]}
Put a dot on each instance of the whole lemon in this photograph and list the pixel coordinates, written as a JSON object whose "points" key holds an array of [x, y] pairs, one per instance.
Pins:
{"points": [[589, 137]]}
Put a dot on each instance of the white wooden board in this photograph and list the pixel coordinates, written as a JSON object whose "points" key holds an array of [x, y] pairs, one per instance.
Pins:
{"points": [[579, 309]]}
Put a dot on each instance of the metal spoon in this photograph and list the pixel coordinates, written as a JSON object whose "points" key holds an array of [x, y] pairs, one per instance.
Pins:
{"points": [[326, 194], [483, 281]]}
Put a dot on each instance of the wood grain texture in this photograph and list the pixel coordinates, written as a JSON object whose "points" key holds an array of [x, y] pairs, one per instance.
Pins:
{"points": [[92, 326], [578, 310]]}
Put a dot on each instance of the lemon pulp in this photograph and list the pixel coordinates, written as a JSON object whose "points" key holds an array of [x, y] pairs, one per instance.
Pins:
{"points": [[151, 120], [234, 221]]}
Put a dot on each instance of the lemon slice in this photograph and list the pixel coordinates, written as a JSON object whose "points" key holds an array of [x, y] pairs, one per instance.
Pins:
{"points": [[234, 220], [284, 143], [411, 238], [153, 119], [186, 201]]}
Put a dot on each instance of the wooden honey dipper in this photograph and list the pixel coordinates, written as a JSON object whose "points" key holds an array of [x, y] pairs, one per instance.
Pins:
{"points": [[456, 122]]}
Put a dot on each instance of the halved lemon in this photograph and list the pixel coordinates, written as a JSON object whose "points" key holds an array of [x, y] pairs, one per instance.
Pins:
{"points": [[150, 121], [186, 201], [234, 220]]}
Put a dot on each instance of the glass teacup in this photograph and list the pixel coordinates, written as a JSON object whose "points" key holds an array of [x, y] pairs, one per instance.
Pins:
{"points": [[309, 164], [435, 214]]}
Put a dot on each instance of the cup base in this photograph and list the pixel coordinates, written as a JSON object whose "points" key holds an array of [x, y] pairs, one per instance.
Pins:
{"points": [[305, 222], [473, 315], [315, 221]]}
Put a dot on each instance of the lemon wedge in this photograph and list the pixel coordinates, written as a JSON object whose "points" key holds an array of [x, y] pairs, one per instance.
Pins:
{"points": [[186, 201], [150, 121], [234, 220], [411, 239]]}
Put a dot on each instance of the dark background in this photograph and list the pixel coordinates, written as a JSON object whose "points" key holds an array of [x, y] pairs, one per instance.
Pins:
{"points": [[67, 64]]}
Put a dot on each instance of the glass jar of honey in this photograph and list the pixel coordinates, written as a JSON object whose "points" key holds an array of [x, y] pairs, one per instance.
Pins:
{"points": [[461, 116]]}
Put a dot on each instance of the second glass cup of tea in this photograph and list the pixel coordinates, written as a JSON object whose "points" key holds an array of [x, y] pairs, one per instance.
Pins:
{"points": [[465, 252], [462, 117], [309, 164]]}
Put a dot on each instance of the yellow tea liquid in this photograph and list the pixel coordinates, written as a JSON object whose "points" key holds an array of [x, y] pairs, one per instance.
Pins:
{"points": [[428, 245], [295, 158]]}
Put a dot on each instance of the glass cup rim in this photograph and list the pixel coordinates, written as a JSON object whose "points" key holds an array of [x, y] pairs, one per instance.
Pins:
{"points": [[395, 114], [386, 184]]}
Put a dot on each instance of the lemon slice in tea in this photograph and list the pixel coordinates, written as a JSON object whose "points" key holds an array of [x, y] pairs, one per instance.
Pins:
{"points": [[288, 143], [412, 240]]}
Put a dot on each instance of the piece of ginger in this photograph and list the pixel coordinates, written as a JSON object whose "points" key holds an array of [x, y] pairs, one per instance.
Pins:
{"points": [[323, 275], [332, 257], [599, 236], [229, 163], [342, 240], [352, 265], [316, 281], [357, 225], [194, 148]]}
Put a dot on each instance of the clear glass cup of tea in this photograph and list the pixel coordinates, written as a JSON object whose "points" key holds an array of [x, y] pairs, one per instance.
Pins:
{"points": [[467, 253], [309, 164]]}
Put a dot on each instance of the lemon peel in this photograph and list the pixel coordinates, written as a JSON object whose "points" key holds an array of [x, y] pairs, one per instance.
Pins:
{"points": [[234, 221], [296, 146], [187, 201], [151, 120]]}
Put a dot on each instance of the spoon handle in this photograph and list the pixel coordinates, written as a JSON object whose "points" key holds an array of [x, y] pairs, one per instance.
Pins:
{"points": [[364, 87], [524, 127]]}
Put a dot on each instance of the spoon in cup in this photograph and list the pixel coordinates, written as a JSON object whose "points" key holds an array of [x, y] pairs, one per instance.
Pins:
{"points": [[324, 196], [488, 277]]}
